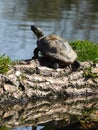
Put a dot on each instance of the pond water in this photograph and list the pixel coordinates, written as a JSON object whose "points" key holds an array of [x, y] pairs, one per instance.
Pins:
{"points": [[76, 113], [71, 19]]}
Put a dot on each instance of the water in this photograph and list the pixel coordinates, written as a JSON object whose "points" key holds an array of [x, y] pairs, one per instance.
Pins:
{"points": [[70, 19], [76, 113]]}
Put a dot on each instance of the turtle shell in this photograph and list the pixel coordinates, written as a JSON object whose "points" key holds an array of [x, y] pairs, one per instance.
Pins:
{"points": [[57, 48]]}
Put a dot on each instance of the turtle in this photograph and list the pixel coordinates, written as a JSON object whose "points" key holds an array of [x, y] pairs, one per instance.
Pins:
{"points": [[54, 48]]}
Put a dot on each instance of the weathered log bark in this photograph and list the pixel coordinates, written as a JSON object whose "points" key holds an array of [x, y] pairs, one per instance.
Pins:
{"points": [[29, 79]]}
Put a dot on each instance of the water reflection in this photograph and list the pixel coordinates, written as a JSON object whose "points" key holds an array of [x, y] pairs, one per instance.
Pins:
{"points": [[69, 113], [68, 18]]}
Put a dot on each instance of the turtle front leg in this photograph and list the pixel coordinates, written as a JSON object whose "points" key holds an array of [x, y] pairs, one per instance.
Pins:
{"points": [[36, 50]]}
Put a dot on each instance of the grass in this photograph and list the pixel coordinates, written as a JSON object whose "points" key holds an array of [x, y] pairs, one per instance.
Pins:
{"points": [[5, 62], [86, 50]]}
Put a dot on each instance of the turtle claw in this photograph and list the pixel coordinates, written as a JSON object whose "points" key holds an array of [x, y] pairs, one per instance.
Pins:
{"points": [[55, 66]]}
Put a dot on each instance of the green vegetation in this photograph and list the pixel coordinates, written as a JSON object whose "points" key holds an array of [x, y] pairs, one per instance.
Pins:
{"points": [[5, 62], [87, 51], [3, 128]]}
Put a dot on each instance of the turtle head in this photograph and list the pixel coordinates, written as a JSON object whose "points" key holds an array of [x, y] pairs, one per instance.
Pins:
{"points": [[37, 31]]}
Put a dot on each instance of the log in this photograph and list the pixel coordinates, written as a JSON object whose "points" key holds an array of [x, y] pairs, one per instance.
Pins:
{"points": [[30, 79]]}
